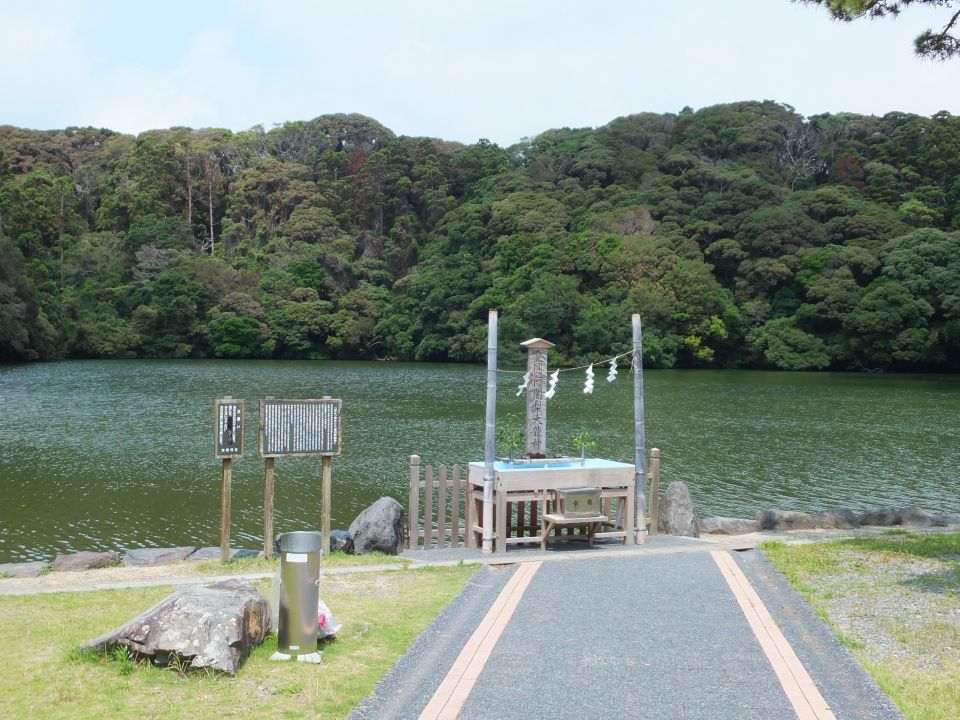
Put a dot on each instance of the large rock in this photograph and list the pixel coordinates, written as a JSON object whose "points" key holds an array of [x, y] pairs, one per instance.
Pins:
{"points": [[718, 525], [837, 519], [771, 519], [885, 517], [157, 556], [206, 627], [379, 527], [949, 519], [918, 517], [24, 569], [340, 541], [677, 514], [86, 560]]}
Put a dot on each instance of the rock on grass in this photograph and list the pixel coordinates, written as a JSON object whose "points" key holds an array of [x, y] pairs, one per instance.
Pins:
{"points": [[207, 627]]}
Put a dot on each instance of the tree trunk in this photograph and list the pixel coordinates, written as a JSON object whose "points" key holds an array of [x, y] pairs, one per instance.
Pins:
{"points": [[189, 192], [210, 205], [60, 237]]}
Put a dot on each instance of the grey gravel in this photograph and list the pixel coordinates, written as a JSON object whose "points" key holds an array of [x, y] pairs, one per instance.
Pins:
{"points": [[885, 605]]}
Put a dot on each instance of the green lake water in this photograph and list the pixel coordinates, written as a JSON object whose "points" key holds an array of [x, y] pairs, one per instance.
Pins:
{"points": [[100, 455]]}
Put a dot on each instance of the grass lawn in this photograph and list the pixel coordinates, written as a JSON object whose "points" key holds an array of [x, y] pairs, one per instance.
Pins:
{"points": [[42, 675], [895, 602]]}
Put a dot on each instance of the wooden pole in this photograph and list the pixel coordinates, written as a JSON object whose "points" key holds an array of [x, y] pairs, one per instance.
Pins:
{"points": [[268, 507], [428, 507], [640, 522], [489, 439], [413, 514], [225, 500], [326, 462]]}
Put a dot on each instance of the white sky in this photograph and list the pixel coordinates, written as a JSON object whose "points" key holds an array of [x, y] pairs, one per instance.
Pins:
{"points": [[499, 69]]}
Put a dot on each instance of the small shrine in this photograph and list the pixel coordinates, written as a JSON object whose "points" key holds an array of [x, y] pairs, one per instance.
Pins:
{"points": [[522, 501]]}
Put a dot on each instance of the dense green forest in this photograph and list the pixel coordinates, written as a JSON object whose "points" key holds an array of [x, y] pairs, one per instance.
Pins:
{"points": [[744, 234]]}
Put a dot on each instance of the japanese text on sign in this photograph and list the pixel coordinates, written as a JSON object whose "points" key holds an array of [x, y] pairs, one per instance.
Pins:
{"points": [[228, 428], [300, 427]]}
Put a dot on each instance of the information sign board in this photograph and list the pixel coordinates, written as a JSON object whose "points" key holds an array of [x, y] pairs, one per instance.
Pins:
{"points": [[227, 428], [300, 427]]}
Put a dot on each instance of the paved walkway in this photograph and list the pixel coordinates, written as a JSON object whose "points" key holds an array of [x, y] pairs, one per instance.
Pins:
{"points": [[674, 630]]}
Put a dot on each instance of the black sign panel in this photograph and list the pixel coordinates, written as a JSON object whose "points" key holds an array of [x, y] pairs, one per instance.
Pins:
{"points": [[300, 427], [227, 428]]}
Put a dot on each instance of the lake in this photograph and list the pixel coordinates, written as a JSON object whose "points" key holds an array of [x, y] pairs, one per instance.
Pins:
{"points": [[119, 454]]}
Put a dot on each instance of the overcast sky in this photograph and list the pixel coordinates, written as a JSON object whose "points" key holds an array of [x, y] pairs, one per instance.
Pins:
{"points": [[499, 69]]}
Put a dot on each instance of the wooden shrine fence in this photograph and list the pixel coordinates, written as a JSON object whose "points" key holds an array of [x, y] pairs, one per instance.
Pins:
{"points": [[438, 514]]}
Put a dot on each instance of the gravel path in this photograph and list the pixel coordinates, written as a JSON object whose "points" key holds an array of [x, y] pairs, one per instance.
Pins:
{"points": [[887, 605], [652, 635]]}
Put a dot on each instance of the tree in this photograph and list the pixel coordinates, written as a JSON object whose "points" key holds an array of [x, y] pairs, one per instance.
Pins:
{"points": [[235, 337], [780, 344], [936, 45], [889, 326], [25, 332], [744, 233], [38, 211], [143, 182]]}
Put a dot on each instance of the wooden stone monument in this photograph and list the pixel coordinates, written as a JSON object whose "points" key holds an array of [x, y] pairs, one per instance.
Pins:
{"points": [[536, 427]]}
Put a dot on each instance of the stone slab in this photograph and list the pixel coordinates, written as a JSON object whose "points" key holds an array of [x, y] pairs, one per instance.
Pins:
{"points": [[25, 569], [213, 553], [157, 556], [85, 560]]}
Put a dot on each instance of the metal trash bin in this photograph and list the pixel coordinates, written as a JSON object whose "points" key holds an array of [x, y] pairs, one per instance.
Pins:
{"points": [[299, 592]]}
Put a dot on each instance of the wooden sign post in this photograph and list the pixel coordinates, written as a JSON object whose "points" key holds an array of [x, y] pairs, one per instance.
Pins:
{"points": [[298, 428], [227, 444], [325, 465], [268, 507]]}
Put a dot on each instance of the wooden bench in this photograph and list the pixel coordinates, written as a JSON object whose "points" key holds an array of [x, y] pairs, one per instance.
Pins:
{"points": [[549, 521]]}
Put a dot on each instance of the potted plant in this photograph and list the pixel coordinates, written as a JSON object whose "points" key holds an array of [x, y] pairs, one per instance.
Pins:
{"points": [[584, 444], [509, 435]]}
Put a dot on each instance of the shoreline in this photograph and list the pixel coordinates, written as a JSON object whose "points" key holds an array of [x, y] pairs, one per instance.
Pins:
{"points": [[182, 573]]}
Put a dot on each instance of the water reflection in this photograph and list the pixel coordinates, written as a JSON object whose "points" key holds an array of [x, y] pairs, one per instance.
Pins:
{"points": [[97, 455]]}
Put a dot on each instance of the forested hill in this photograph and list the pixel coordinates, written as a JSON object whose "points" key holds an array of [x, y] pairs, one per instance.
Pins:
{"points": [[744, 234]]}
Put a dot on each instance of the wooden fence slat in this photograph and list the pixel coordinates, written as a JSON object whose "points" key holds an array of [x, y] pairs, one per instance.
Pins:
{"points": [[442, 509], [455, 509], [413, 509], [428, 507], [437, 517]]}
